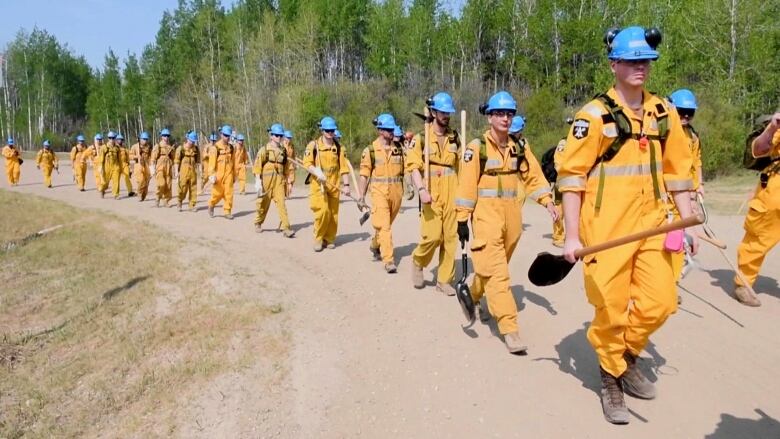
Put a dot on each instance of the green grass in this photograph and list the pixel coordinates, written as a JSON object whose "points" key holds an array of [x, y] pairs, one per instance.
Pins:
{"points": [[726, 194]]}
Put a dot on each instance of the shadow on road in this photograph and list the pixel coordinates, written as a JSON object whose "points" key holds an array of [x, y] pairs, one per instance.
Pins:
{"points": [[733, 427], [724, 279], [576, 358], [350, 237], [521, 293]]}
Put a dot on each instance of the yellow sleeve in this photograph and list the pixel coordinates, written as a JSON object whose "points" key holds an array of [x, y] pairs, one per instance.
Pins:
{"points": [[677, 158], [582, 149], [414, 156], [73, 154], [155, 153], [38, 157], [536, 186], [308, 156], [177, 155], [257, 168], [56, 161], [365, 163], [213, 153], [290, 174], [102, 155], [468, 179], [343, 166]]}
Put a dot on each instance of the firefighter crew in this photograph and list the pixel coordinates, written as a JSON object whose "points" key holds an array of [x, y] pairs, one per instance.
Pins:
{"points": [[325, 158], [46, 161], [290, 149], [185, 169], [93, 153], [382, 163], [438, 227], [124, 160], [558, 225], [612, 189], [162, 163], [492, 169], [272, 169], [110, 166], [78, 160], [762, 223], [205, 153], [13, 162], [221, 167], [242, 160], [140, 154]]}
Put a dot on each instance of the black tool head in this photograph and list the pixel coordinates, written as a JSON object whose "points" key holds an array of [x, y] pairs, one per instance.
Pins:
{"points": [[548, 269], [466, 301], [364, 218]]}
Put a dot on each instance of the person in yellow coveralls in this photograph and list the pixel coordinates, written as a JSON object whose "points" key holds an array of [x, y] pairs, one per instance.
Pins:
{"points": [[290, 149], [78, 160], [93, 153], [383, 163], [13, 162], [46, 160], [762, 223], [625, 150], [326, 160], [272, 169], [124, 160], [558, 225], [493, 167], [205, 153], [241, 159], [438, 226], [162, 165], [185, 168], [221, 172], [110, 166], [140, 155]]}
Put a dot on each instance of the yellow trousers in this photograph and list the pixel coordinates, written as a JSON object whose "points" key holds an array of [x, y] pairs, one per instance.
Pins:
{"points": [[274, 190], [326, 214], [188, 186], [47, 170], [386, 203], [222, 190], [241, 171], [80, 173], [13, 171], [632, 290], [558, 231], [98, 175], [164, 181], [762, 233], [439, 229], [111, 175], [141, 175], [497, 225], [125, 174]]}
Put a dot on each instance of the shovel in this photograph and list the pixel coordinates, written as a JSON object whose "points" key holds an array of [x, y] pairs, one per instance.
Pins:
{"points": [[462, 289], [550, 269]]}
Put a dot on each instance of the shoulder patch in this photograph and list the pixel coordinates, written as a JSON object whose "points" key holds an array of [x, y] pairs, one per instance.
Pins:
{"points": [[468, 155], [561, 145], [580, 128]]}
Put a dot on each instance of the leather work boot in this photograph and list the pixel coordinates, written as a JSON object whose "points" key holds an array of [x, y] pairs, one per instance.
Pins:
{"points": [[375, 253], [330, 246], [157, 203], [131, 194], [229, 216], [612, 401], [211, 211], [288, 233], [390, 268], [193, 209], [318, 246], [745, 297], [514, 343], [258, 228], [484, 314], [445, 289], [102, 194], [635, 383], [180, 208], [417, 276]]}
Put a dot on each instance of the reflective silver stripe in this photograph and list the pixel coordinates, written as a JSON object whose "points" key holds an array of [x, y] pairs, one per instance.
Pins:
{"points": [[574, 181], [331, 169], [625, 170], [379, 160], [387, 179], [269, 174], [494, 193], [443, 172], [679, 185], [492, 163], [539, 193], [462, 202]]}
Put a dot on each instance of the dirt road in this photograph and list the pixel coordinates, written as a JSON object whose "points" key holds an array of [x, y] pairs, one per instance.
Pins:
{"points": [[373, 357]]}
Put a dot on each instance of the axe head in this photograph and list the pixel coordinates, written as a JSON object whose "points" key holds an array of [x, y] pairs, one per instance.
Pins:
{"points": [[364, 218], [464, 294]]}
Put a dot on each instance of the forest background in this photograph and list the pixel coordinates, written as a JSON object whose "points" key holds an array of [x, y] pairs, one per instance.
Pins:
{"points": [[293, 61]]}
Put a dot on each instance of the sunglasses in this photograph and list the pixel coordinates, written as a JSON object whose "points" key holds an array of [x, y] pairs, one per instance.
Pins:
{"points": [[686, 112], [503, 113], [329, 131]]}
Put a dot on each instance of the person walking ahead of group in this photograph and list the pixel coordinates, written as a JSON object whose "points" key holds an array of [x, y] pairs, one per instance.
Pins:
{"points": [[46, 161], [110, 166], [78, 160]]}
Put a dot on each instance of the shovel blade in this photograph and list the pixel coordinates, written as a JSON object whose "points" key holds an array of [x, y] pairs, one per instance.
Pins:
{"points": [[466, 301], [364, 218], [548, 269]]}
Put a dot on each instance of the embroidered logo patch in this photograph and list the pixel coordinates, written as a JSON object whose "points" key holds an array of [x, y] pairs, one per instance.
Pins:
{"points": [[468, 155], [580, 128]]}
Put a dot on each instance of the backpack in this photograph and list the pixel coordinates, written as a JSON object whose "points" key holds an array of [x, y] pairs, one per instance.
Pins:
{"points": [[548, 165], [757, 163]]}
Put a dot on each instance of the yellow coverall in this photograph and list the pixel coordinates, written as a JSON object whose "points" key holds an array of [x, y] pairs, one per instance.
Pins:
{"points": [[490, 198], [558, 230], [438, 226], [47, 162], [678, 259], [273, 167], [162, 160], [221, 165], [111, 167], [139, 156], [324, 199], [762, 223], [93, 152], [78, 159], [124, 173], [205, 153], [241, 160], [186, 161], [13, 168], [631, 286], [387, 189], [291, 176]]}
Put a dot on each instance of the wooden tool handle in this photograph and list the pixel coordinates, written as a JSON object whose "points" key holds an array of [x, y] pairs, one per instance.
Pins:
{"points": [[669, 227], [462, 138]]}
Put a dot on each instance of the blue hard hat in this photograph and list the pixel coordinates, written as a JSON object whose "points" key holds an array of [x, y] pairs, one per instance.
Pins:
{"points": [[518, 123], [80, 138], [226, 130], [397, 131], [328, 123], [120, 137], [385, 121], [46, 144], [684, 98], [288, 134], [98, 136], [144, 136], [633, 43], [499, 101], [240, 137], [192, 136], [338, 134], [441, 102], [111, 135], [10, 140], [165, 132], [276, 130], [213, 137]]}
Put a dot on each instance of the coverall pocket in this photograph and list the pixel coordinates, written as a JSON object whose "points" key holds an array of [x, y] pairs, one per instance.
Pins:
{"points": [[478, 244]]}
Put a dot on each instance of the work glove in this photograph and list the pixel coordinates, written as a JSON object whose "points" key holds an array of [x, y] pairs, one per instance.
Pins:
{"points": [[463, 231], [317, 172], [212, 179]]}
